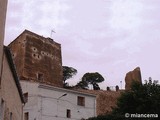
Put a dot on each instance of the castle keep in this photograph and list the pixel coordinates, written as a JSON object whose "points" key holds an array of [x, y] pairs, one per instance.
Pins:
{"points": [[37, 58], [39, 66]]}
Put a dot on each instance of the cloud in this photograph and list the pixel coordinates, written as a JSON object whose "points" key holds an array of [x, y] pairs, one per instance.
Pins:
{"points": [[109, 36], [125, 14], [38, 16]]}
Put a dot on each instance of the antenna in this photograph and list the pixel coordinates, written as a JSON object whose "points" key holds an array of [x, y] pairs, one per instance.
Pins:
{"points": [[52, 31], [121, 84]]}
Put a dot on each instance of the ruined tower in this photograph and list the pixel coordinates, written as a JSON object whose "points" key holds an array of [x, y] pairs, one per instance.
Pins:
{"points": [[131, 76], [37, 59]]}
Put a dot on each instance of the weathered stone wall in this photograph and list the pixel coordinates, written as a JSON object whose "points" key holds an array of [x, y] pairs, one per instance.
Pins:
{"points": [[18, 53], [105, 100], [36, 56], [9, 94], [131, 76]]}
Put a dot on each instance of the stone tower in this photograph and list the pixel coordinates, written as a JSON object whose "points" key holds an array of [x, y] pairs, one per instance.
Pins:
{"points": [[37, 59], [131, 76], [3, 9]]}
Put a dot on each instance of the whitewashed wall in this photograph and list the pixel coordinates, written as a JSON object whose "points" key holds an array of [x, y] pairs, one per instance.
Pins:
{"points": [[3, 9], [32, 105], [43, 103]]}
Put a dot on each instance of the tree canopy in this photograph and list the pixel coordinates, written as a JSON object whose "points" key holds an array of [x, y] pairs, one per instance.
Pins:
{"points": [[68, 72], [91, 78], [141, 99], [82, 84]]}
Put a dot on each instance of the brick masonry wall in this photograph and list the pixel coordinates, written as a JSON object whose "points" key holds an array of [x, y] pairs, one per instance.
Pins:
{"points": [[36, 56]]}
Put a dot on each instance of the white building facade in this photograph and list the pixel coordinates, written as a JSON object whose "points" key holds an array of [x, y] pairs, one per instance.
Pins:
{"points": [[46, 102], [3, 10]]}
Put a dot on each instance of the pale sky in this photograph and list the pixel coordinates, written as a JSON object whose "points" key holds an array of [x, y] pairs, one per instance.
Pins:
{"points": [[111, 37]]}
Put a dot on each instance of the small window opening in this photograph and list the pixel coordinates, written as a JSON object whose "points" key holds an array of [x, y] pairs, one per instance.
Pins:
{"points": [[2, 109], [26, 97], [68, 115], [10, 115], [40, 77], [26, 116], [34, 55], [42, 53], [34, 49], [81, 101], [38, 56]]}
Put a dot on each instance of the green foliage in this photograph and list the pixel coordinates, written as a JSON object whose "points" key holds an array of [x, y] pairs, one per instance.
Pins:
{"points": [[91, 78], [141, 99], [82, 84], [68, 72]]}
